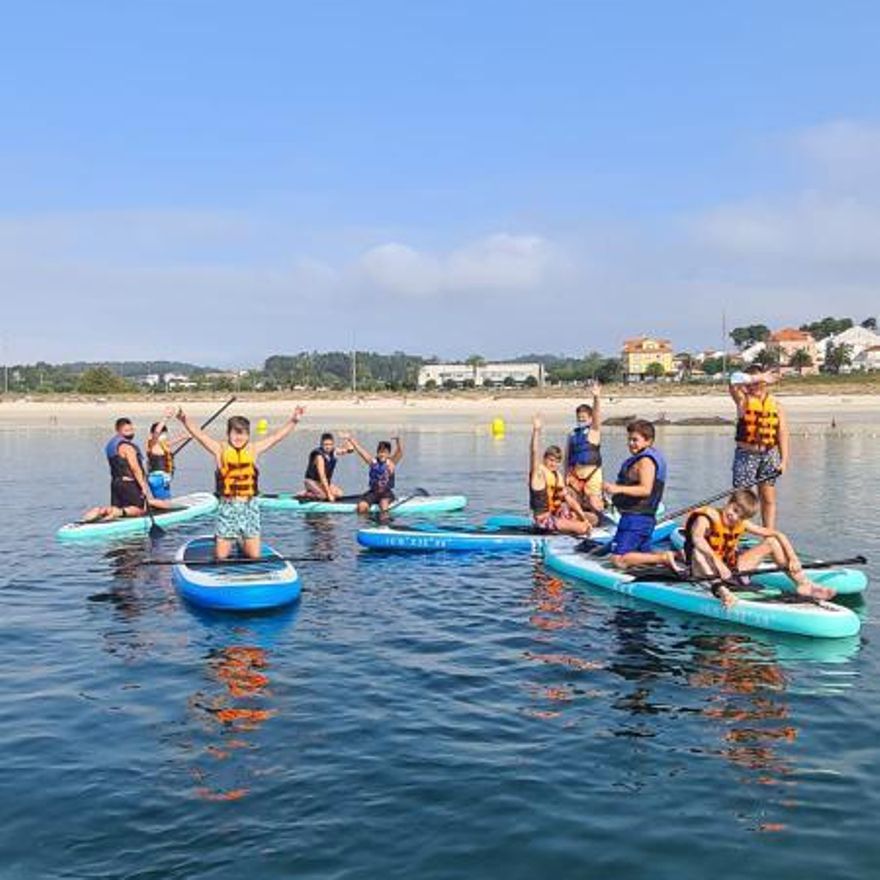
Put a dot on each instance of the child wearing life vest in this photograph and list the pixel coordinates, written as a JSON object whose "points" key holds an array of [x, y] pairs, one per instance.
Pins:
{"points": [[237, 476], [637, 495], [160, 456], [554, 505], [319, 472], [712, 537], [583, 457], [382, 473], [762, 441]]}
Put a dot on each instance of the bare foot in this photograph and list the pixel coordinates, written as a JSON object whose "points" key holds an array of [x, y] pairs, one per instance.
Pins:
{"points": [[814, 591], [672, 561], [725, 596]]}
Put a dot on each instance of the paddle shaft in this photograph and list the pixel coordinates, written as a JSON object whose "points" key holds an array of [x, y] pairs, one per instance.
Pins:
{"points": [[675, 514], [830, 563], [417, 493], [237, 561], [206, 423], [156, 531]]}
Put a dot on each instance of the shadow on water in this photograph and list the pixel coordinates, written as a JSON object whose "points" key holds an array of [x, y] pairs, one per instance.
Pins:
{"points": [[135, 592]]}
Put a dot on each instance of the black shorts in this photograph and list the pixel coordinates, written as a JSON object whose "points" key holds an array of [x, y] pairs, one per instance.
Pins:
{"points": [[126, 493], [375, 497]]}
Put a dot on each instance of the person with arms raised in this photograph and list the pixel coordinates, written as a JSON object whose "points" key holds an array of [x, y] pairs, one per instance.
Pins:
{"points": [[382, 473], [237, 478], [553, 505], [583, 457]]}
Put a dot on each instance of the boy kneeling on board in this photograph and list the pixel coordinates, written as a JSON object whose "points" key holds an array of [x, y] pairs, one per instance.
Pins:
{"points": [[238, 516], [383, 470], [711, 548], [637, 495], [319, 485], [553, 504]]}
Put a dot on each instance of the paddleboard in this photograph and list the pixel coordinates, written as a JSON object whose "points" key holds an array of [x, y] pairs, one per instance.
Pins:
{"points": [[348, 504], [186, 507], [762, 608], [233, 585]]}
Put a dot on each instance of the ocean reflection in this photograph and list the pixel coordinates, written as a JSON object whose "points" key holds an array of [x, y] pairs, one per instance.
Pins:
{"points": [[135, 591], [735, 685], [235, 704]]}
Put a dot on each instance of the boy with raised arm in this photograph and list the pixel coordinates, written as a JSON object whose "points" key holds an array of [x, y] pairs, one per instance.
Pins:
{"points": [[762, 440], [237, 474], [382, 473], [583, 456], [554, 506]]}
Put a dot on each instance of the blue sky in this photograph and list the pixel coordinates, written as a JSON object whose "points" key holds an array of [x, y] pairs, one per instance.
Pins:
{"points": [[219, 181]]}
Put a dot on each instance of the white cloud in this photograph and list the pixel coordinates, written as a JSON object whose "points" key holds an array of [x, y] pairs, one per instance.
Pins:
{"points": [[831, 224], [812, 227], [400, 269], [846, 151], [497, 263], [77, 283]]}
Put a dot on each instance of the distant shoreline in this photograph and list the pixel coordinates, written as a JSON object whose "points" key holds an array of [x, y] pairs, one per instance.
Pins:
{"points": [[445, 410]]}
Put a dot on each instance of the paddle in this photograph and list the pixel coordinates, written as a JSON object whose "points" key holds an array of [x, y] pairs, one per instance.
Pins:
{"points": [[418, 492], [327, 557], [675, 514], [206, 423], [657, 572], [156, 531], [307, 499]]}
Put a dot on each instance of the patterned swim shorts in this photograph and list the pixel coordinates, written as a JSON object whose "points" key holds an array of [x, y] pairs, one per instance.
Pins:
{"points": [[750, 468], [237, 518]]}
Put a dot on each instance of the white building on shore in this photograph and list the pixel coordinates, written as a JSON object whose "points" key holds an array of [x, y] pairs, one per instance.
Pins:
{"points": [[858, 339], [481, 375]]}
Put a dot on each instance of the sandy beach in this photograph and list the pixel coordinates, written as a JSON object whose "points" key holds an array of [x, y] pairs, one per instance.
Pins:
{"points": [[815, 410]]}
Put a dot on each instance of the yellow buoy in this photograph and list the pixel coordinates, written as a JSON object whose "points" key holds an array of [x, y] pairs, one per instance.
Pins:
{"points": [[262, 426], [498, 427]]}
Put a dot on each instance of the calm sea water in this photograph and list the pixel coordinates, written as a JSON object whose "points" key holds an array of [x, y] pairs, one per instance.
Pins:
{"points": [[424, 717]]}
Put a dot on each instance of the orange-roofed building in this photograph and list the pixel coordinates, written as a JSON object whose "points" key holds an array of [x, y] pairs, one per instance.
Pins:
{"points": [[784, 343], [642, 351]]}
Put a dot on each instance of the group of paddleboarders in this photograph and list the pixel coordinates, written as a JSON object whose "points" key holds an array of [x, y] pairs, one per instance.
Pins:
{"points": [[572, 501], [318, 481], [137, 489]]}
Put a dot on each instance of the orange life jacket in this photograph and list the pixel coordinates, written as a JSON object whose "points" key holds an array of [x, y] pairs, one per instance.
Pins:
{"points": [[238, 474], [550, 498], [759, 423], [721, 538]]}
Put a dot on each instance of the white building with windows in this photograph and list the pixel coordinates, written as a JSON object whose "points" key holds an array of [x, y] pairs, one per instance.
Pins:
{"points": [[867, 359], [858, 339], [441, 375]]}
